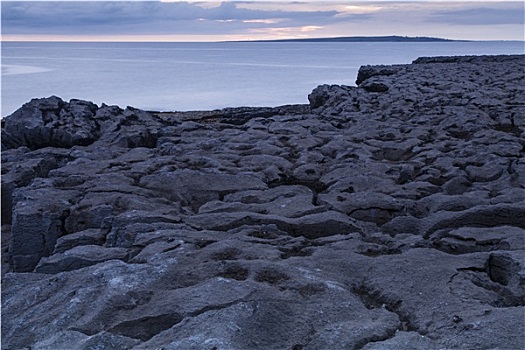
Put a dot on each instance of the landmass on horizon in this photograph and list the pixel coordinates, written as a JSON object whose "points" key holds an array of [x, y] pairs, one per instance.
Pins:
{"points": [[346, 39]]}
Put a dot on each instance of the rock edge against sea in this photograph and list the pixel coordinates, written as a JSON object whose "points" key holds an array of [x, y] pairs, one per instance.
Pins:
{"points": [[390, 215]]}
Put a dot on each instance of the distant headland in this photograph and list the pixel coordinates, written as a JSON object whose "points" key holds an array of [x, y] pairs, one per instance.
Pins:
{"points": [[391, 38]]}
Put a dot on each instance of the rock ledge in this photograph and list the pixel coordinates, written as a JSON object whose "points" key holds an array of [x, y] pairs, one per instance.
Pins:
{"points": [[390, 215]]}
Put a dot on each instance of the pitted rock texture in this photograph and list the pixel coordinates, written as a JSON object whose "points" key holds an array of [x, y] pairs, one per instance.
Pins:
{"points": [[390, 215]]}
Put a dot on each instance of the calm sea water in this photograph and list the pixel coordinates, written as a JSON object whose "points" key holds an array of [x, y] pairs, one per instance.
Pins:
{"points": [[197, 76]]}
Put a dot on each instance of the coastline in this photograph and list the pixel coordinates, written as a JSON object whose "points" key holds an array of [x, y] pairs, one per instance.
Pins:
{"points": [[198, 82], [376, 216]]}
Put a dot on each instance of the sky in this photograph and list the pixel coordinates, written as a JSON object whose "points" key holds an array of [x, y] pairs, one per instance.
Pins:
{"points": [[170, 20]]}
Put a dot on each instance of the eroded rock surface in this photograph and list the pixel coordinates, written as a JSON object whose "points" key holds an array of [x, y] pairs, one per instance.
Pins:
{"points": [[390, 215]]}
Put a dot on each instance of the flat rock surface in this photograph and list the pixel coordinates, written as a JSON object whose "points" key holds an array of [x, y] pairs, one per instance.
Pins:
{"points": [[390, 215]]}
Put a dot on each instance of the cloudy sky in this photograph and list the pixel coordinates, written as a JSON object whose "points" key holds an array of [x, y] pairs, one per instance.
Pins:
{"points": [[171, 20]]}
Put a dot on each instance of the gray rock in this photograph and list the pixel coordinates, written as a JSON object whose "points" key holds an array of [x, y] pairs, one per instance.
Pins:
{"points": [[457, 185], [310, 226], [86, 237], [486, 173], [288, 201], [402, 224], [439, 201], [373, 86], [478, 239], [365, 206], [483, 215], [507, 268], [366, 72], [21, 175], [384, 216], [403, 341], [51, 122], [64, 340], [194, 188], [122, 230], [35, 230], [79, 257]]}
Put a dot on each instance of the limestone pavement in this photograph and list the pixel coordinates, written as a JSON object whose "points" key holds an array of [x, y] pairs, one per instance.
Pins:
{"points": [[390, 215]]}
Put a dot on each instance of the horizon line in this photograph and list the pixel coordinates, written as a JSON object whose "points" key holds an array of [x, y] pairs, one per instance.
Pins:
{"points": [[288, 40]]}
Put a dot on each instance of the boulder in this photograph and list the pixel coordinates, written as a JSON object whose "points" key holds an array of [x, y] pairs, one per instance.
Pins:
{"points": [[50, 122]]}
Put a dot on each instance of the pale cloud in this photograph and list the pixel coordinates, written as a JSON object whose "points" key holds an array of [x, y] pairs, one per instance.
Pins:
{"points": [[309, 28], [148, 18], [283, 32], [216, 20], [266, 21], [360, 9]]}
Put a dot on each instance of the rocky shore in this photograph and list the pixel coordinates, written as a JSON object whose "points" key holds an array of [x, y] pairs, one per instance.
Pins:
{"points": [[390, 215]]}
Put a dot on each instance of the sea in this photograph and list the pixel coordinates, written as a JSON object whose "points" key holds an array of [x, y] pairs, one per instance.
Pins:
{"points": [[202, 76]]}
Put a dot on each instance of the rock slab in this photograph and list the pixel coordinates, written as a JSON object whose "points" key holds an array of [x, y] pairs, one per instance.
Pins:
{"points": [[389, 215]]}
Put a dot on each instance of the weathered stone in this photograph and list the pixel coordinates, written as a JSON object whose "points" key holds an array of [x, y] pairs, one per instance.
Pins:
{"points": [[35, 230], [457, 185], [372, 86], [508, 269], [402, 224], [366, 206], [403, 341], [194, 188], [310, 226], [439, 201], [487, 173], [478, 239], [51, 122], [122, 230], [391, 218], [86, 237], [21, 175], [366, 72], [319, 96], [483, 215], [287, 201], [79, 257]]}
